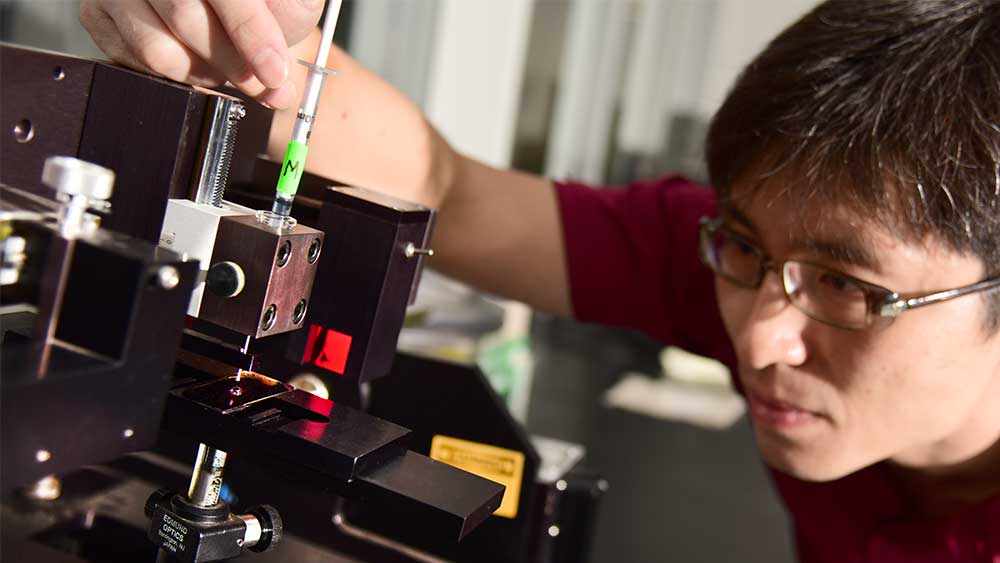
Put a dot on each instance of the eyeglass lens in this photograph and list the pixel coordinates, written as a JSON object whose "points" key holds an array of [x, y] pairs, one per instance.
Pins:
{"points": [[823, 294]]}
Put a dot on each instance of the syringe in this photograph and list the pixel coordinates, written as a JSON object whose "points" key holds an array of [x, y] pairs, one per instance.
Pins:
{"points": [[298, 147]]}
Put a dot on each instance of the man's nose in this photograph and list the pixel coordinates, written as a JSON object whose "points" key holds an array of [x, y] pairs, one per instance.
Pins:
{"points": [[773, 332]]}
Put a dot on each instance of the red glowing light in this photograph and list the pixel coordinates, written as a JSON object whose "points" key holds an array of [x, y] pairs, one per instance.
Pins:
{"points": [[327, 348]]}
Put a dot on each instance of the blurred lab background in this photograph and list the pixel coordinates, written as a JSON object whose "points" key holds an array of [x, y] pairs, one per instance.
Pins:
{"points": [[606, 92]]}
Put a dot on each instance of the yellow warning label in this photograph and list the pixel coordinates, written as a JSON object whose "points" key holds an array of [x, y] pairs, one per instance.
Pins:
{"points": [[489, 462]]}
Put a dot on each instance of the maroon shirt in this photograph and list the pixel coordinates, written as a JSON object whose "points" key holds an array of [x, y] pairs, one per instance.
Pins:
{"points": [[633, 262]]}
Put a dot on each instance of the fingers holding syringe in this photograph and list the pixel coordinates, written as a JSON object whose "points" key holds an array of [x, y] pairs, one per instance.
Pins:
{"points": [[259, 39], [239, 41], [132, 34], [201, 30]]}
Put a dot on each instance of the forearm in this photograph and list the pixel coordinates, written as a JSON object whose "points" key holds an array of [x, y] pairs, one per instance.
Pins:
{"points": [[498, 230], [367, 133]]}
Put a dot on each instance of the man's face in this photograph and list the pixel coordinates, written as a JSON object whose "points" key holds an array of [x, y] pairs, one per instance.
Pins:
{"points": [[826, 401]]}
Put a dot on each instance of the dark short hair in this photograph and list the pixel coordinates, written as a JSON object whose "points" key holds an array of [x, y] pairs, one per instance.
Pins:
{"points": [[890, 107]]}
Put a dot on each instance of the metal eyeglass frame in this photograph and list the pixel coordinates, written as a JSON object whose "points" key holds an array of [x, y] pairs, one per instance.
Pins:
{"points": [[883, 305]]}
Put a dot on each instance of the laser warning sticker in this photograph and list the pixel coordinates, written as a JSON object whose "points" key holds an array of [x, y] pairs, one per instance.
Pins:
{"points": [[489, 462]]}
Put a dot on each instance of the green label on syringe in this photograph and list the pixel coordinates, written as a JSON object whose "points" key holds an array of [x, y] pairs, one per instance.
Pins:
{"points": [[291, 170]]}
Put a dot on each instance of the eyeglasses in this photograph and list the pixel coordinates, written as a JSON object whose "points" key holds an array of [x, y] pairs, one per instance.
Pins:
{"points": [[825, 295]]}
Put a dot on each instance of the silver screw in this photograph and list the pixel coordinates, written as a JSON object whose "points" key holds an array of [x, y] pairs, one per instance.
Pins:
{"points": [[411, 250], [239, 542], [41, 456], [71, 176], [128, 433], [168, 277], [270, 314], [553, 531], [24, 131], [46, 488], [79, 185]]}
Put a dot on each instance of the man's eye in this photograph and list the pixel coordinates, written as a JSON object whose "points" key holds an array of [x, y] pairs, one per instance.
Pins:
{"points": [[839, 283], [742, 247]]}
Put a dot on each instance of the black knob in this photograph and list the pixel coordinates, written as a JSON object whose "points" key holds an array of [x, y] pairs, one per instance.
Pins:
{"points": [[225, 279], [155, 499], [270, 527]]}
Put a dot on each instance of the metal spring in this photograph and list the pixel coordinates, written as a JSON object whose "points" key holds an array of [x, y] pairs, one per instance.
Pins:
{"points": [[236, 113], [218, 154]]}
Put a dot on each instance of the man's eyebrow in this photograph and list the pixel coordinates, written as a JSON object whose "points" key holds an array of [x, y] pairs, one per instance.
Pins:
{"points": [[850, 250], [733, 213]]}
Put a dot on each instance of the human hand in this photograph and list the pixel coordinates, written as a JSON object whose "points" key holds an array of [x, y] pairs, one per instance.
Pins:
{"points": [[207, 42]]}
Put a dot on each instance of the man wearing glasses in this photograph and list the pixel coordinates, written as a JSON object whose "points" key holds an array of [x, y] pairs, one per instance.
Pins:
{"points": [[852, 243], [854, 237]]}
